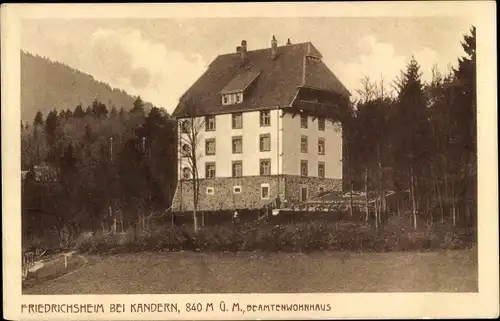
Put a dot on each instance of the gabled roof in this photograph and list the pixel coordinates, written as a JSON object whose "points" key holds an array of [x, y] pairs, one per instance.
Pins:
{"points": [[274, 84]]}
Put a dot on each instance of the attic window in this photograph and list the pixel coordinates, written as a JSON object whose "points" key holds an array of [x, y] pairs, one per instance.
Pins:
{"points": [[232, 98]]}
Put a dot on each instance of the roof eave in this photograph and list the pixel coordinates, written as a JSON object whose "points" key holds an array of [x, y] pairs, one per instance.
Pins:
{"points": [[347, 94]]}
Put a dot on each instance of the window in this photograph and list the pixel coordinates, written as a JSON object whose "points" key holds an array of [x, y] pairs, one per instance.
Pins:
{"points": [[186, 150], [210, 191], [209, 170], [186, 173], [303, 121], [265, 142], [185, 127], [303, 144], [237, 145], [303, 193], [239, 98], [237, 169], [264, 191], [236, 189], [225, 100], [321, 123], [209, 123], [303, 168], [210, 146], [321, 146], [265, 167], [265, 118], [321, 169], [237, 121]]}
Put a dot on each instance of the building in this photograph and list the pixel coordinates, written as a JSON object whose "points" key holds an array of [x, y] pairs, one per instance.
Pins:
{"points": [[264, 125]]}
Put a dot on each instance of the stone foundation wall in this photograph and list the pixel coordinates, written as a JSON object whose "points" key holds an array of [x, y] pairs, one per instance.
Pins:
{"points": [[223, 197], [250, 196], [315, 185]]}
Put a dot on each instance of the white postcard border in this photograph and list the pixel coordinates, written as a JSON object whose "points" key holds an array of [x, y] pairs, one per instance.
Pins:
{"points": [[358, 305]]}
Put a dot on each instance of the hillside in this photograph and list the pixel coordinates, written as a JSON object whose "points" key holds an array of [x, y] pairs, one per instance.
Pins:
{"points": [[47, 84]]}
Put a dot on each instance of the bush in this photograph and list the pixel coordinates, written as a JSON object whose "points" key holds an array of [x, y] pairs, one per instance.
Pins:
{"points": [[290, 237]]}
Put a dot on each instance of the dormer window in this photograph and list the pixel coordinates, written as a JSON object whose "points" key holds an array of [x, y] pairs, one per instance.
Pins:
{"points": [[233, 92]]}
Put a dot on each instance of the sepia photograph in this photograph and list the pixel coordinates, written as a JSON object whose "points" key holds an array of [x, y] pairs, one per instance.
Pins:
{"points": [[219, 155]]}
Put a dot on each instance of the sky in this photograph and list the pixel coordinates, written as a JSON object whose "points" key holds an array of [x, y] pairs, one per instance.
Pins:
{"points": [[159, 59]]}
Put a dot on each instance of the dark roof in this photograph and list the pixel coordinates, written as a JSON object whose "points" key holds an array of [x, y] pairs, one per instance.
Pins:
{"points": [[275, 85], [240, 82]]}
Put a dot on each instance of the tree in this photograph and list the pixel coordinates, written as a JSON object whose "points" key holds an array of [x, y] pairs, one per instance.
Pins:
{"points": [[411, 132], [79, 113], [138, 108], [371, 116], [99, 110], [121, 113], [51, 126], [89, 135], [190, 151], [463, 113], [113, 112], [38, 119], [159, 137]]}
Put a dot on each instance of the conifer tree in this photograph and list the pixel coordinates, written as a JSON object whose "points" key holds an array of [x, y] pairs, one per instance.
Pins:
{"points": [[410, 131], [79, 113]]}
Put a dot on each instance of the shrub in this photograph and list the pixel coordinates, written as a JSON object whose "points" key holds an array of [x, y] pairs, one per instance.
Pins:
{"points": [[291, 237]]}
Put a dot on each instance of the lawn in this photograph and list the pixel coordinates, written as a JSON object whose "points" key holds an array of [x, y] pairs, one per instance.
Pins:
{"points": [[190, 272]]}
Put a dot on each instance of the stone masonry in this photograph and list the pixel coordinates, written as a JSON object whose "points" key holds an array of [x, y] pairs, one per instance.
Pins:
{"points": [[249, 197]]}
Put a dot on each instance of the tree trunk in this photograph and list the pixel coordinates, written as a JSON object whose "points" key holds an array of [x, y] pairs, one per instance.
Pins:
{"points": [[380, 185], [195, 220], [440, 196], [447, 193], [413, 198], [350, 201], [454, 212], [367, 209], [381, 196], [467, 211], [195, 203]]}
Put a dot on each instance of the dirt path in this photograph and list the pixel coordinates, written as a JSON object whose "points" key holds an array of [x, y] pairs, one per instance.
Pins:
{"points": [[54, 267], [156, 273]]}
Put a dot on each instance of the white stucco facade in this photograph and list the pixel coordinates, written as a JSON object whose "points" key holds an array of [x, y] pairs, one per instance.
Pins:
{"points": [[285, 145], [332, 137]]}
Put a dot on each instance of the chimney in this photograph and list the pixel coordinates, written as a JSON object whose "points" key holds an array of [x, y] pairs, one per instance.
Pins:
{"points": [[288, 43], [274, 48], [242, 50]]}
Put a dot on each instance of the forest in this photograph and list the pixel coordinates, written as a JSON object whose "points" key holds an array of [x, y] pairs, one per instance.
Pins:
{"points": [[420, 138], [99, 160], [84, 166]]}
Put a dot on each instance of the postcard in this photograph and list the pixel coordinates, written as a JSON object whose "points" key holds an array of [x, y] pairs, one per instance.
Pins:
{"points": [[249, 161]]}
